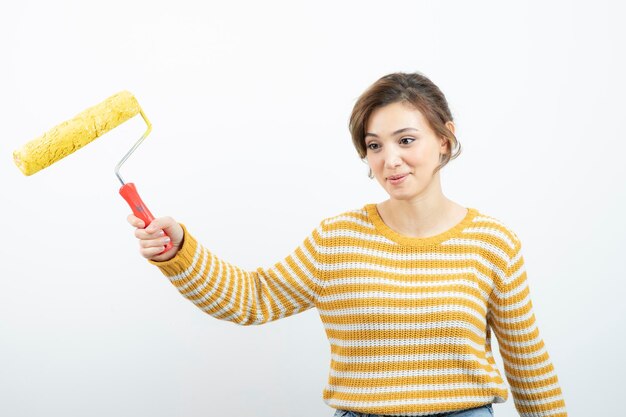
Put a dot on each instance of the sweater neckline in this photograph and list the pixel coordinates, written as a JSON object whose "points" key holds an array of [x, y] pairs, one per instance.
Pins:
{"points": [[391, 234]]}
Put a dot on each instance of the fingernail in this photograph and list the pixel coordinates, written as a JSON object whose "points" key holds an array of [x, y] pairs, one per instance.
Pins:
{"points": [[161, 233], [166, 240]]}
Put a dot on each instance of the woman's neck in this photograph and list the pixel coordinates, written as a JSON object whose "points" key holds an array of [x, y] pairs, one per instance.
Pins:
{"points": [[421, 218]]}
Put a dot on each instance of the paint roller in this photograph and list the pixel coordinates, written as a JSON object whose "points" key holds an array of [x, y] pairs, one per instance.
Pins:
{"points": [[73, 134]]}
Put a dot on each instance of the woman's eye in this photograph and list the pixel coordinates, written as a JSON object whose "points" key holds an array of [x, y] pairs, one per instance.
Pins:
{"points": [[404, 140], [372, 146]]}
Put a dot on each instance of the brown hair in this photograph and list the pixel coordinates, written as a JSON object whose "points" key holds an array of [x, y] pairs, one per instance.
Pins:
{"points": [[415, 89]]}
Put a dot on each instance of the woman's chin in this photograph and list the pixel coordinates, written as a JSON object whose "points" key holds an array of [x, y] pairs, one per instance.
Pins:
{"points": [[400, 195]]}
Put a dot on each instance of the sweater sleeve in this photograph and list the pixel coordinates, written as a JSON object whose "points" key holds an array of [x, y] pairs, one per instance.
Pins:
{"points": [[227, 292], [527, 365]]}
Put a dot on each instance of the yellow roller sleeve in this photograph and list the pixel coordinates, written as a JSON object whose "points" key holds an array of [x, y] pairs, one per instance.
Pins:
{"points": [[69, 136]]}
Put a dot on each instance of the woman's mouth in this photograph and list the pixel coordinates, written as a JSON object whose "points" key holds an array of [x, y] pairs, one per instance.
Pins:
{"points": [[396, 179]]}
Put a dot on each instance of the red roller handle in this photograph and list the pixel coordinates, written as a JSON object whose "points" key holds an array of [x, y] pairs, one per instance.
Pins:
{"points": [[129, 192]]}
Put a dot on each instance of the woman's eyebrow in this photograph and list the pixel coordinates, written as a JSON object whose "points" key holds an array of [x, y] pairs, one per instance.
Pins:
{"points": [[394, 133]]}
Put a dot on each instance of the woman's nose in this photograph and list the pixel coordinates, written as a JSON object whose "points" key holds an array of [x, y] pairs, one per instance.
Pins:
{"points": [[393, 159]]}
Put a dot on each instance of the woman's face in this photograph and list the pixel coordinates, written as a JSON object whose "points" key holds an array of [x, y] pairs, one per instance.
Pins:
{"points": [[402, 150]]}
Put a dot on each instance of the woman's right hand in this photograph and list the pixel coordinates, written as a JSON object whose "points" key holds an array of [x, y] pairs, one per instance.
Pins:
{"points": [[152, 239]]}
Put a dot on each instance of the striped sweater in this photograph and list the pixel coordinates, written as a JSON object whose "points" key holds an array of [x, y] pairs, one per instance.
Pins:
{"points": [[409, 319]]}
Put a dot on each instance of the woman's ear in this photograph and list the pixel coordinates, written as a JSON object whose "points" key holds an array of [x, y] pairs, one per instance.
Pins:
{"points": [[450, 126], [444, 140]]}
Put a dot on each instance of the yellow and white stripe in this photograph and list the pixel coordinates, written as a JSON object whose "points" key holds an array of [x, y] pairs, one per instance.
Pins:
{"points": [[409, 320]]}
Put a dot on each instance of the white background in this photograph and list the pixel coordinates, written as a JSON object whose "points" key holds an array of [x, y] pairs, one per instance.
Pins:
{"points": [[250, 149]]}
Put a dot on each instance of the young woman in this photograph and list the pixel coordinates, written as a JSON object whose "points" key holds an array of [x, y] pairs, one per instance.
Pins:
{"points": [[408, 289]]}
